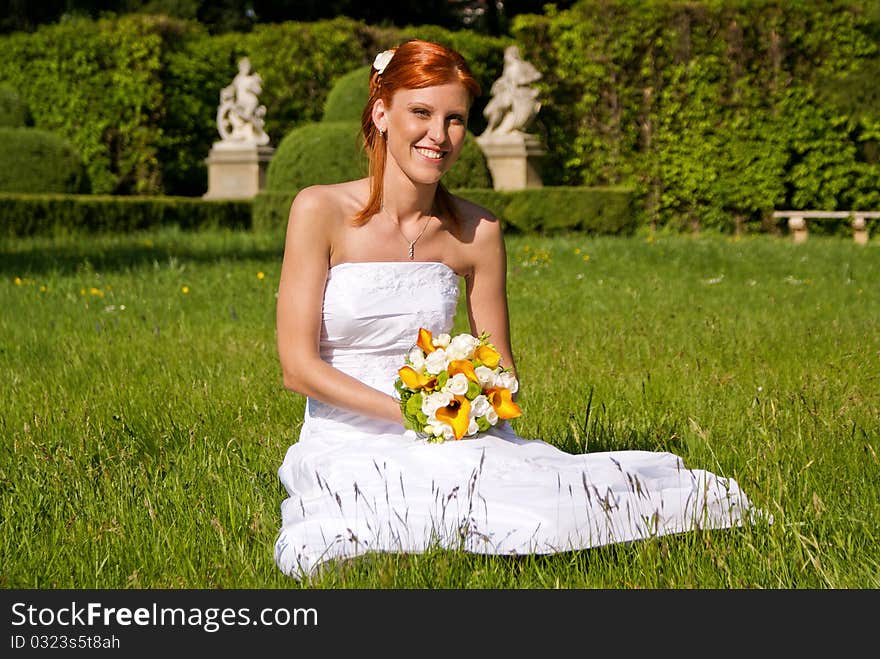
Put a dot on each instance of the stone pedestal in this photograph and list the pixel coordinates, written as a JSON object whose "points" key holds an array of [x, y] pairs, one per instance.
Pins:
{"points": [[797, 225], [860, 230], [513, 159], [236, 171]]}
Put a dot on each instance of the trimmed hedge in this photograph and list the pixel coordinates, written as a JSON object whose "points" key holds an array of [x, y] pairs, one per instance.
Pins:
{"points": [[471, 169], [347, 97], [317, 153], [611, 211], [271, 210], [35, 161], [29, 215], [549, 209], [13, 112]]}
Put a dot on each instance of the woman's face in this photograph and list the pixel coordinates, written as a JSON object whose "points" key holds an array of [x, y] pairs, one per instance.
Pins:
{"points": [[425, 129]]}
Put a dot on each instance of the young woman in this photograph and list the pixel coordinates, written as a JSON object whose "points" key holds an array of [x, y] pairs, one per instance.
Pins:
{"points": [[366, 264]]}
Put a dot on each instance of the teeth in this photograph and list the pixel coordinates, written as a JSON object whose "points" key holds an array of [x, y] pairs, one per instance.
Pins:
{"points": [[428, 153]]}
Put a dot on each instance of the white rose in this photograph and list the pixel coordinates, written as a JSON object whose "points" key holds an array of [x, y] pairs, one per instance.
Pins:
{"points": [[492, 416], [508, 381], [486, 376], [437, 361], [417, 358], [457, 384], [462, 347], [433, 402], [445, 429], [480, 406], [473, 428], [441, 340]]}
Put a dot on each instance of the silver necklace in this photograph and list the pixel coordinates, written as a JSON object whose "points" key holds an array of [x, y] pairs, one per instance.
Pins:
{"points": [[412, 243]]}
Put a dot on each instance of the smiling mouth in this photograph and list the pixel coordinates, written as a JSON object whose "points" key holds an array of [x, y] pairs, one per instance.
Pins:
{"points": [[430, 154]]}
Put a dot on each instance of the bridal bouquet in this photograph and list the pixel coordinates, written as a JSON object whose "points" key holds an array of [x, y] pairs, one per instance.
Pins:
{"points": [[454, 387]]}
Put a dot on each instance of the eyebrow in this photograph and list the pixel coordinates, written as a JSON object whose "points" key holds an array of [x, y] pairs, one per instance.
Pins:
{"points": [[428, 106]]}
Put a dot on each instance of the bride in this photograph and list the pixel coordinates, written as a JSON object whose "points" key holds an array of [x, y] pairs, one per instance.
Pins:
{"points": [[366, 264]]}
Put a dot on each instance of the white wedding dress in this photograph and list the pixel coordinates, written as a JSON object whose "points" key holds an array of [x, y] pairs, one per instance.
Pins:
{"points": [[357, 484]]}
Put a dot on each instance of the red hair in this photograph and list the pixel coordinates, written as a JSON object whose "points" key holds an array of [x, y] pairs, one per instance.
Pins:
{"points": [[415, 64]]}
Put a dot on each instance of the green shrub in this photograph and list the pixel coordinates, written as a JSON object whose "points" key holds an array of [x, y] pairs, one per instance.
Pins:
{"points": [[316, 153], [271, 210], [13, 112], [47, 214], [549, 209], [470, 170], [702, 109], [348, 96], [97, 84], [137, 94], [34, 160]]}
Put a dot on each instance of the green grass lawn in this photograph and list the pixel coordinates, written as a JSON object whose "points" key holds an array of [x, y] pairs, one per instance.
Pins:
{"points": [[143, 416]]}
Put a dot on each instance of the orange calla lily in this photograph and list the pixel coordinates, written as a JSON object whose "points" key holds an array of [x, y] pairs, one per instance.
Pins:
{"points": [[415, 380], [488, 355], [502, 400], [462, 366], [457, 414], [426, 341]]}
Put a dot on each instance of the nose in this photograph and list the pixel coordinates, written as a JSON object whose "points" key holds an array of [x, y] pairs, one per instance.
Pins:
{"points": [[437, 130]]}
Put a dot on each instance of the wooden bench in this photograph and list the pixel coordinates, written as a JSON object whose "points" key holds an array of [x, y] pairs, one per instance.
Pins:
{"points": [[797, 222]]}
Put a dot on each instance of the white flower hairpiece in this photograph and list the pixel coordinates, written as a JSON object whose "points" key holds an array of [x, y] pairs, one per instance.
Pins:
{"points": [[382, 60]]}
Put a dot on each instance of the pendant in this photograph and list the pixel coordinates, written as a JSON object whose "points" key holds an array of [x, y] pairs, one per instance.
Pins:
{"points": [[412, 250]]}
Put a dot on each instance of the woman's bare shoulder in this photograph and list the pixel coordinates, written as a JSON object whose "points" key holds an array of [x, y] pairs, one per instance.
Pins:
{"points": [[478, 223], [329, 202], [470, 211]]}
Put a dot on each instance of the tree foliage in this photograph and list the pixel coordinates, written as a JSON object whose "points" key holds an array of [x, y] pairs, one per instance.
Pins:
{"points": [[712, 110]]}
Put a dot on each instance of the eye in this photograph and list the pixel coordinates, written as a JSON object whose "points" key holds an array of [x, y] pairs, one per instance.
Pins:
{"points": [[421, 112], [457, 119]]}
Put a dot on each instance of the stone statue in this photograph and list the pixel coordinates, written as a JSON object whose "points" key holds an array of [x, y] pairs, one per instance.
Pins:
{"points": [[514, 103], [511, 153], [237, 164], [240, 115]]}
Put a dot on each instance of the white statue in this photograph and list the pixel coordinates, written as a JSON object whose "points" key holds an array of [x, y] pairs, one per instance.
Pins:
{"points": [[514, 104], [240, 115]]}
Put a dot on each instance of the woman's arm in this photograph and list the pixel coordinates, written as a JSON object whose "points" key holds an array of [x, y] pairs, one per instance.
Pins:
{"points": [[298, 315], [487, 288]]}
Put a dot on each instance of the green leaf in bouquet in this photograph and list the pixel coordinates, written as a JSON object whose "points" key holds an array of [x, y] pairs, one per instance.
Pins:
{"points": [[483, 424], [442, 379], [400, 387], [473, 390], [413, 405]]}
